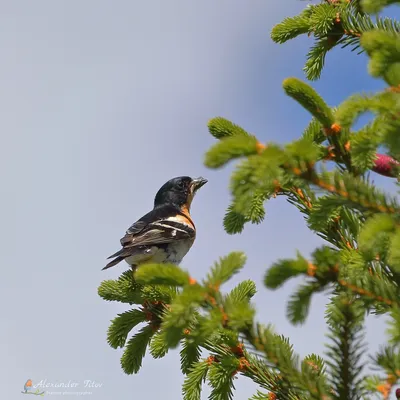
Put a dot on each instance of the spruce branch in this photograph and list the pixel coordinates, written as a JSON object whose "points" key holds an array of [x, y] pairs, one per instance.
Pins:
{"points": [[222, 128], [333, 23], [313, 102], [122, 325], [202, 318], [382, 48], [310, 100], [299, 302], [292, 379], [314, 131], [169, 275], [125, 289], [381, 104], [229, 149], [158, 347], [225, 269], [345, 317], [248, 198], [388, 360], [234, 221], [193, 382], [373, 288], [393, 329], [220, 377], [375, 6], [283, 270], [375, 236], [292, 27], [245, 290], [190, 354], [356, 191], [131, 359]]}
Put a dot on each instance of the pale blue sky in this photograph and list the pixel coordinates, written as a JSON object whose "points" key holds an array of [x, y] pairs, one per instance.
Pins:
{"points": [[102, 102]]}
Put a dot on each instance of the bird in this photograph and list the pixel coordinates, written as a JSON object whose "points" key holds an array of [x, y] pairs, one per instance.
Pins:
{"points": [[28, 385], [167, 232]]}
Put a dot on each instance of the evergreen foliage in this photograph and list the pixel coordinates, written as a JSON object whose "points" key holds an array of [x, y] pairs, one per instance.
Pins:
{"points": [[359, 266]]}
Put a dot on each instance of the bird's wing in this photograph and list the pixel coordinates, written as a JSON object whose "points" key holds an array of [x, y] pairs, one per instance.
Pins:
{"points": [[133, 230], [158, 227]]}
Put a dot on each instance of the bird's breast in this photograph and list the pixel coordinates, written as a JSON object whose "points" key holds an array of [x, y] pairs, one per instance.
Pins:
{"points": [[174, 252], [161, 253]]}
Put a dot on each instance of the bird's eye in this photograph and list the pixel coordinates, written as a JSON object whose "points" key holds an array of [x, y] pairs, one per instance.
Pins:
{"points": [[181, 185]]}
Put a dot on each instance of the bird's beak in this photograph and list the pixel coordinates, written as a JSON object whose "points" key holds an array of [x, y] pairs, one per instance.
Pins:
{"points": [[197, 183]]}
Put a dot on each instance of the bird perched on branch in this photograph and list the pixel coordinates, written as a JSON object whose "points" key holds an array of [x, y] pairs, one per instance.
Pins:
{"points": [[166, 233], [28, 385]]}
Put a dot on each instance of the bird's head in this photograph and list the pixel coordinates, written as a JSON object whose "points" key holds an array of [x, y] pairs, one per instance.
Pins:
{"points": [[179, 191]]}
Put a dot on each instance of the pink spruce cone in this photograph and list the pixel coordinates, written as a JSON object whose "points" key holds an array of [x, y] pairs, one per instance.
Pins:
{"points": [[384, 165]]}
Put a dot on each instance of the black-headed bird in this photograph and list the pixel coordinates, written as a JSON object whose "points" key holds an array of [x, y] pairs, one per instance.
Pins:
{"points": [[166, 233]]}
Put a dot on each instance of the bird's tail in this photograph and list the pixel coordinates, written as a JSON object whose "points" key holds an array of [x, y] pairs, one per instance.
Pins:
{"points": [[113, 262], [118, 257]]}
